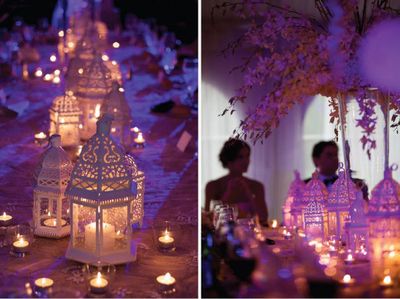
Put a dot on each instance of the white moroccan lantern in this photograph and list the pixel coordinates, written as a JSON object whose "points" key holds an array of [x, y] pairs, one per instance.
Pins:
{"points": [[314, 190], [384, 225], [93, 87], [50, 207], [101, 195], [138, 177], [294, 199], [115, 104], [65, 118], [357, 228], [342, 194]]}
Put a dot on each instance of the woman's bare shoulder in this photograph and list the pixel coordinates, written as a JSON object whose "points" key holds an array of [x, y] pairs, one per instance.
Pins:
{"points": [[215, 183], [255, 184]]}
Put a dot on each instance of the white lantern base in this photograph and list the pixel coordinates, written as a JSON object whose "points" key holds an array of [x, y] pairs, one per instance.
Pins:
{"points": [[52, 232], [115, 258]]}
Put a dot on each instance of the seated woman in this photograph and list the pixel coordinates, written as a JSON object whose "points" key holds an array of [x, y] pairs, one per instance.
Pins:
{"points": [[245, 194]]}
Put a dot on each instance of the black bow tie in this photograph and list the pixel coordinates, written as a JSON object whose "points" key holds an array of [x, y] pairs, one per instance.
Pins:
{"points": [[330, 181]]}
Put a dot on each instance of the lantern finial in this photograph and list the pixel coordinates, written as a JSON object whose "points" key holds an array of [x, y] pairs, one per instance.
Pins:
{"points": [[55, 140]]}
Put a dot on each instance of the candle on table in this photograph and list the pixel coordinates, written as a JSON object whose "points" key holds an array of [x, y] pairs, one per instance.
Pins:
{"points": [[43, 284], [386, 282], [21, 245], [135, 129], [115, 45], [99, 284], [40, 138], [166, 283], [347, 280], [38, 72], [139, 140], [5, 219], [349, 259], [119, 235], [53, 58], [166, 241], [108, 235], [52, 222]]}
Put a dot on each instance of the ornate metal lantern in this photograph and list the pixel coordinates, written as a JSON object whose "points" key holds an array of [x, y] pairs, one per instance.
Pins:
{"points": [[116, 105], [384, 225], [101, 195], [138, 177], [357, 228], [65, 118], [342, 194], [50, 207], [92, 88], [314, 190], [292, 209]]}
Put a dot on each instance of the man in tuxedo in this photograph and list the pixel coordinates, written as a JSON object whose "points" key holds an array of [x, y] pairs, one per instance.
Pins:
{"points": [[326, 160]]}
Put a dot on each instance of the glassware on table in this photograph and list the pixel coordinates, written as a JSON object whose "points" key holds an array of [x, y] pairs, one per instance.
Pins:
{"points": [[189, 68]]}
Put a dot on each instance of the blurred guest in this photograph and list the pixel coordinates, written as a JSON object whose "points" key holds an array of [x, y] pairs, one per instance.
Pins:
{"points": [[325, 155], [245, 194]]}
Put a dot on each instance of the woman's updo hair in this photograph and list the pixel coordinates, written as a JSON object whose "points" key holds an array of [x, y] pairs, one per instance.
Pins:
{"points": [[231, 149]]}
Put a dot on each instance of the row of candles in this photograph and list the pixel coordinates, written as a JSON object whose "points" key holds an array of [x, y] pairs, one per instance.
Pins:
{"points": [[98, 284], [139, 141], [329, 254]]}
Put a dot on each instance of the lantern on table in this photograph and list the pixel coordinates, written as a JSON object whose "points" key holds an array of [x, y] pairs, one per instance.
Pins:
{"points": [[65, 118], [292, 209], [314, 190], [357, 228], [93, 87], [115, 104], [50, 207], [384, 225], [101, 194], [138, 177], [315, 220], [342, 194]]}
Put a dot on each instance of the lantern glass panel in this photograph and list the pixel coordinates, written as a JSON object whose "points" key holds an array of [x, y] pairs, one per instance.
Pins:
{"points": [[332, 223], [115, 236], [83, 216]]}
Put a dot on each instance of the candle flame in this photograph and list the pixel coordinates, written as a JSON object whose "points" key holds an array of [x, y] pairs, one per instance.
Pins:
{"points": [[274, 223], [80, 71], [53, 58], [21, 241], [347, 278], [4, 214], [97, 111], [168, 275], [116, 45], [140, 136], [135, 129], [387, 279], [105, 57], [349, 257], [49, 214]]}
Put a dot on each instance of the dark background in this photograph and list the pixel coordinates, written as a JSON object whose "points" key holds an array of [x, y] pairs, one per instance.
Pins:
{"points": [[179, 16]]}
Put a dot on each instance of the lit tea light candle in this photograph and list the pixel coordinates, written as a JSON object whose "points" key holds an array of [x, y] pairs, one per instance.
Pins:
{"points": [[80, 71], [113, 62], [287, 235], [332, 249], [40, 138], [386, 282], [135, 129], [105, 57], [324, 259], [274, 223], [121, 89], [166, 242], [5, 219], [38, 72], [56, 80], [52, 222], [318, 247], [119, 235], [99, 284], [139, 140], [48, 77], [60, 33], [349, 259], [53, 58], [166, 283], [43, 284], [115, 45], [21, 245], [347, 280], [57, 72]]}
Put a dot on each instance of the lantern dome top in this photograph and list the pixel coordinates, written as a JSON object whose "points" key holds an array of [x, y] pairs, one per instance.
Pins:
{"points": [[95, 80], [343, 191], [385, 198], [115, 103], [66, 103], [315, 190], [54, 168], [101, 172]]}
